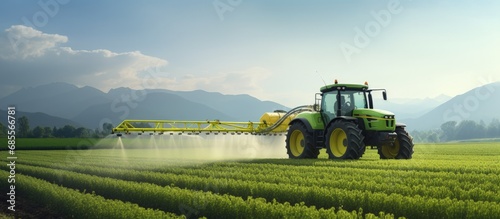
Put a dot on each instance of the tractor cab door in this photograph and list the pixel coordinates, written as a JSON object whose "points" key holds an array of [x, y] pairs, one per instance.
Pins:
{"points": [[329, 106]]}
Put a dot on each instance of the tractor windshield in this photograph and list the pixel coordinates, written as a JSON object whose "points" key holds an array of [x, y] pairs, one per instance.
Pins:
{"points": [[359, 99], [349, 100]]}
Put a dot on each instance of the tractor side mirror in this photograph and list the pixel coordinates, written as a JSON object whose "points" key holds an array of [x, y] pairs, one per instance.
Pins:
{"points": [[384, 94]]}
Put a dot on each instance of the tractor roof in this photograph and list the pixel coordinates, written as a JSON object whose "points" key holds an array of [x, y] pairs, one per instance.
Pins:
{"points": [[344, 87]]}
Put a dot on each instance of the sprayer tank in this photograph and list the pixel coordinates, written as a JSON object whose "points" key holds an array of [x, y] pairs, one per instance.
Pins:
{"points": [[270, 118]]}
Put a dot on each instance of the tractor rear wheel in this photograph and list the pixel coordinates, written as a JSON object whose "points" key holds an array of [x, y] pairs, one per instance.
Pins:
{"points": [[300, 142], [344, 141], [401, 149]]}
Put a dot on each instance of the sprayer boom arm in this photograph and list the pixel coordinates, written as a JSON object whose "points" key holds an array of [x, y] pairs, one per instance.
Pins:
{"points": [[276, 122], [161, 126]]}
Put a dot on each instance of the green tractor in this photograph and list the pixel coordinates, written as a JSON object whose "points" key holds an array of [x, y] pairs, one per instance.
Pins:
{"points": [[345, 123]]}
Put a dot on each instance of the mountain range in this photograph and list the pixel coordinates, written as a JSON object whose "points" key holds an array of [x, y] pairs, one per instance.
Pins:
{"points": [[59, 104], [90, 107], [479, 104]]}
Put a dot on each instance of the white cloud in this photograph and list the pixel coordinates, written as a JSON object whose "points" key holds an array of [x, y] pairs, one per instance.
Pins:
{"points": [[23, 42], [29, 57]]}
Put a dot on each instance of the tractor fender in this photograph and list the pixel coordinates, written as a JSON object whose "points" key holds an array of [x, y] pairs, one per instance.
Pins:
{"points": [[303, 121]]}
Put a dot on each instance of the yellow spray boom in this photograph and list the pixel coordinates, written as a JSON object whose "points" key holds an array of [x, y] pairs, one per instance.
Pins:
{"points": [[270, 123]]}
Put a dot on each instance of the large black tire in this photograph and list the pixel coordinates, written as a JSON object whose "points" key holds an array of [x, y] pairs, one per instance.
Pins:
{"points": [[344, 140], [401, 149], [300, 142]]}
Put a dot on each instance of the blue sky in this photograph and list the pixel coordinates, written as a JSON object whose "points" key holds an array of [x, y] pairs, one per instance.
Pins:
{"points": [[274, 50]]}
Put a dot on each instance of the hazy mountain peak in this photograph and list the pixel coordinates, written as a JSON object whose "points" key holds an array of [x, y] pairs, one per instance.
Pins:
{"points": [[54, 88], [119, 89], [441, 98], [28, 95]]}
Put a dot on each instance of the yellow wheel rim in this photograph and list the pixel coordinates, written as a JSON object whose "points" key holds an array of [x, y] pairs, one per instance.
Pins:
{"points": [[338, 142], [391, 151], [297, 143]]}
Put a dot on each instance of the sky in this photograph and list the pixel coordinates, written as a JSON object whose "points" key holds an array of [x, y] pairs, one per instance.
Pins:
{"points": [[281, 51]]}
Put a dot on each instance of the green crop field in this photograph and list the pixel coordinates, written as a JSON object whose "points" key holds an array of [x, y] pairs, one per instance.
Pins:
{"points": [[441, 181]]}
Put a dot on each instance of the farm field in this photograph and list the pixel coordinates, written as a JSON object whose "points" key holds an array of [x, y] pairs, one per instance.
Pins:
{"points": [[441, 181]]}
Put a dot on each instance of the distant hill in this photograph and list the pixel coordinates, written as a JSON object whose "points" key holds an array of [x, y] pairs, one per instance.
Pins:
{"points": [[410, 108], [91, 107], [40, 119], [481, 103], [157, 106], [56, 99]]}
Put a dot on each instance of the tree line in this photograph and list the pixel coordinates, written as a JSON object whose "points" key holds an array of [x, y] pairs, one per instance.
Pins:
{"points": [[23, 130], [456, 131]]}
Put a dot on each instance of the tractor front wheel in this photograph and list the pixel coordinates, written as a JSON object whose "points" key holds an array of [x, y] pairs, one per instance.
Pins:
{"points": [[344, 140], [402, 148], [300, 142]]}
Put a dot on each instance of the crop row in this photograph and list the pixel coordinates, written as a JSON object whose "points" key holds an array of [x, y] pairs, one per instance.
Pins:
{"points": [[103, 156], [74, 204], [149, 160], [478, 165], [289, 173], [398, 204], [183, 201]]}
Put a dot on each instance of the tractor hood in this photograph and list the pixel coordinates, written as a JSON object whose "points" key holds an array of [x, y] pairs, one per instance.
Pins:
{"points": [[375, 113], [375, 119]]}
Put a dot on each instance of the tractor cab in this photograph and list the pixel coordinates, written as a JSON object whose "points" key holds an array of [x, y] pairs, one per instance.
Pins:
{"points": [[346, 100], [342, 103]]}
